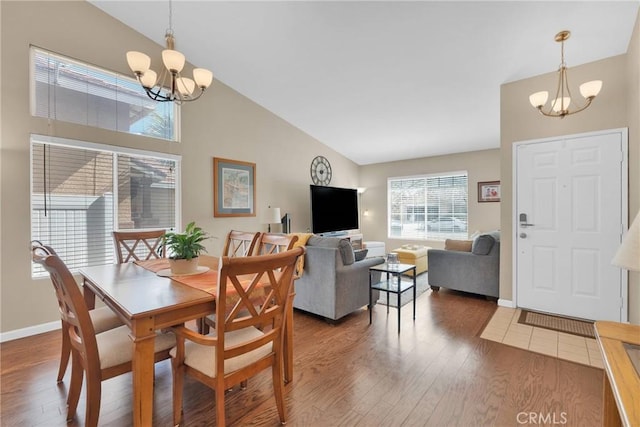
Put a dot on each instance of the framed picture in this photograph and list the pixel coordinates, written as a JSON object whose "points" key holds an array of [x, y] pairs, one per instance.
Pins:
{"points": [[489, 191], [234, 188]]}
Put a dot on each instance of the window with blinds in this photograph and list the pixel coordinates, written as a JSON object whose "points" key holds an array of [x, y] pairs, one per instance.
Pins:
{"points": [[81, 192], [431, 207], [71, 91]]}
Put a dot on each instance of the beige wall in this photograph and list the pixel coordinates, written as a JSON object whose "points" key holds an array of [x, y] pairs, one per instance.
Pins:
{"points": [[633, 118], [223, 124], [480, 165], [519, 122]]}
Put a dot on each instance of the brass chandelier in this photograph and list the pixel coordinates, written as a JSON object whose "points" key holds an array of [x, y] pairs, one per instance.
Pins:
{"points": [[171, 86], [560, 104]]}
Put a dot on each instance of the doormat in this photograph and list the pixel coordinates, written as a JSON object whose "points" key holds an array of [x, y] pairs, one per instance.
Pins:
{"points": [[555, 323]]}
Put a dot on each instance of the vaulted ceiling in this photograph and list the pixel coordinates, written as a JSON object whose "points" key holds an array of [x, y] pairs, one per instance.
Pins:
{"points": [[384, 80]]}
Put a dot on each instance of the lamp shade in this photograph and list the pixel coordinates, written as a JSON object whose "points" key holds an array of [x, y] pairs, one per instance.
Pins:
{"points": [[203, 77], [561, 104], [149, 79], [271, 216], [628, 254], [538, 99], [173, 60], [138, 61], [591, 89], [185, 85]]}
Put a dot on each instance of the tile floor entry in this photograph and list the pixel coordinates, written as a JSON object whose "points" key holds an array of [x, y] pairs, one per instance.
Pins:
{"points": [[504, 328]]}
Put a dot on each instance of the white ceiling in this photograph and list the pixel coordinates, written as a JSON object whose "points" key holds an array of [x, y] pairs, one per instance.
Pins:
{"points": [[384, 80]]}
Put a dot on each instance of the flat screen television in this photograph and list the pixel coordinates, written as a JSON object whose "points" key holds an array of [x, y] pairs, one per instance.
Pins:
{"points": [[333, 209]]}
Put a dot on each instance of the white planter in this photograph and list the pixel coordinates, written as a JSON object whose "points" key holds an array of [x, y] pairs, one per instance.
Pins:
{"points": [[183, 266]]}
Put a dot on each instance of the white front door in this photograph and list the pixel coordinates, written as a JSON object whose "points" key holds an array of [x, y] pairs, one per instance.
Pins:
{"points": [[569, 212]]}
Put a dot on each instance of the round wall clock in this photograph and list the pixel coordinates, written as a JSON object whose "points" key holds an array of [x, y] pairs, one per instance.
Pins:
{"points": [[321, 171]]}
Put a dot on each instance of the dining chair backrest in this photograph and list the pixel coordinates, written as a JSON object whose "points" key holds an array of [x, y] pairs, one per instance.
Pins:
{"points": [[240, 243], [138, 245], [257, 290], [273, 243], [73, 309]]}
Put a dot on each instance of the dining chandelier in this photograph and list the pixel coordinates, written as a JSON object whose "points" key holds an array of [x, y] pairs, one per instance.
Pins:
{"points": [[560, 104], [171, 86]]}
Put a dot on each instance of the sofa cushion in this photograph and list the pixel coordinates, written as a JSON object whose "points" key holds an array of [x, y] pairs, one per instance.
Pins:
{"points": [[343, 245], [360, 254], [346, 250], [458, 245], [482, 244]]}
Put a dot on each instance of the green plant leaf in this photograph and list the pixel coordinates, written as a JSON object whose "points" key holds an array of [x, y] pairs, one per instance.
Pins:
{"points": [[186, 245]]}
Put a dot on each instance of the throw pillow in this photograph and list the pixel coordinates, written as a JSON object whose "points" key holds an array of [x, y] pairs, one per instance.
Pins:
{"points": [[482, 244], [458, 245], [346, 250], [360, 254]]}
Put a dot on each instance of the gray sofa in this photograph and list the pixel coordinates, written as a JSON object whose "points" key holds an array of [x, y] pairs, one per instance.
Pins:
{"points": [[477, 272], [333, 284]]}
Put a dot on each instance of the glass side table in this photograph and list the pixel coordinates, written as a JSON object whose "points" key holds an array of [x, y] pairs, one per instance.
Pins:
{"points": [[392, 282]]}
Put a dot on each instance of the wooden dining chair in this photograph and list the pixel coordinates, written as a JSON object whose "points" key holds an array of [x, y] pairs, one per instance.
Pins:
{"points": [[252, 298], [240, 243], [273, 243], [98, 356], [237, 244], [103, 319], [138, 245]]}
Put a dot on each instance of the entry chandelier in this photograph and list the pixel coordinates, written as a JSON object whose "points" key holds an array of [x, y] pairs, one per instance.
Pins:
{"points": [[171, 86], [560, 104]]}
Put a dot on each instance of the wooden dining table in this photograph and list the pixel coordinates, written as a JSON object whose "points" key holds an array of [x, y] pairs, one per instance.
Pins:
{"points": [[147, 302]]}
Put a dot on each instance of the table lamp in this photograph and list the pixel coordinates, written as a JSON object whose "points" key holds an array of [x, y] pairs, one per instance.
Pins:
{"points": [[628, 254], [271, 216]]}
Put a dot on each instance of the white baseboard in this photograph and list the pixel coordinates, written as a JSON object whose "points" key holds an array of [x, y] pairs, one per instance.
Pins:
{"points": [[506, 303], [27, 332]]}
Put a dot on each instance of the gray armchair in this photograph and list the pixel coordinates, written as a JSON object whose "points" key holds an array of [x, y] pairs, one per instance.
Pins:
{"points": [[333, 284], [476, 272]]}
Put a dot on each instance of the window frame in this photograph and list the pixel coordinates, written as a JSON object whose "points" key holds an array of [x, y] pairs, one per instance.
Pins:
{"points": [[440, 236], [35, 50], [114, 151]]}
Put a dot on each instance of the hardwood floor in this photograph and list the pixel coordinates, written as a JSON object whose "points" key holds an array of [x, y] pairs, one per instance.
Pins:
{"points": [[437, 372]]}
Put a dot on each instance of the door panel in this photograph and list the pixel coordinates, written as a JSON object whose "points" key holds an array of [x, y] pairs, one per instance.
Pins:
{"points": [[570, 190]]}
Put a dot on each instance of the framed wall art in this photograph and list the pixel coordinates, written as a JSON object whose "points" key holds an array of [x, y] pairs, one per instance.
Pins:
{"points": [[234, 188], [489, 191]]}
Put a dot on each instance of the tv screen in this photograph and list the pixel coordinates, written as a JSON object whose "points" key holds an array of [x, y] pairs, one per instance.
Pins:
{"points": [[333, 209]]}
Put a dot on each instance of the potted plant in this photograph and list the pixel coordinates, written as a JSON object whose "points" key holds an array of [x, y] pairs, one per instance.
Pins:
{"points": [[184, 249]]}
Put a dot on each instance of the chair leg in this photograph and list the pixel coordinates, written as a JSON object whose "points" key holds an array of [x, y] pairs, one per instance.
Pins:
{"points": [[220, 414], [75, 387], [94, 392], [64, 354], [178, 380], [278, 388]]}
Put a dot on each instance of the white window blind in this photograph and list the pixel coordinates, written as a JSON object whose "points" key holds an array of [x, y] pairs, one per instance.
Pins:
{"points": [[68, 90], [432, 207], [80, 194]]}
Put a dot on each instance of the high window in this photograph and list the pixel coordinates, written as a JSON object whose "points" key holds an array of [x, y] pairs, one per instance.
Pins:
{"points": [[430, 207], [81, 192], [71, 91]]}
